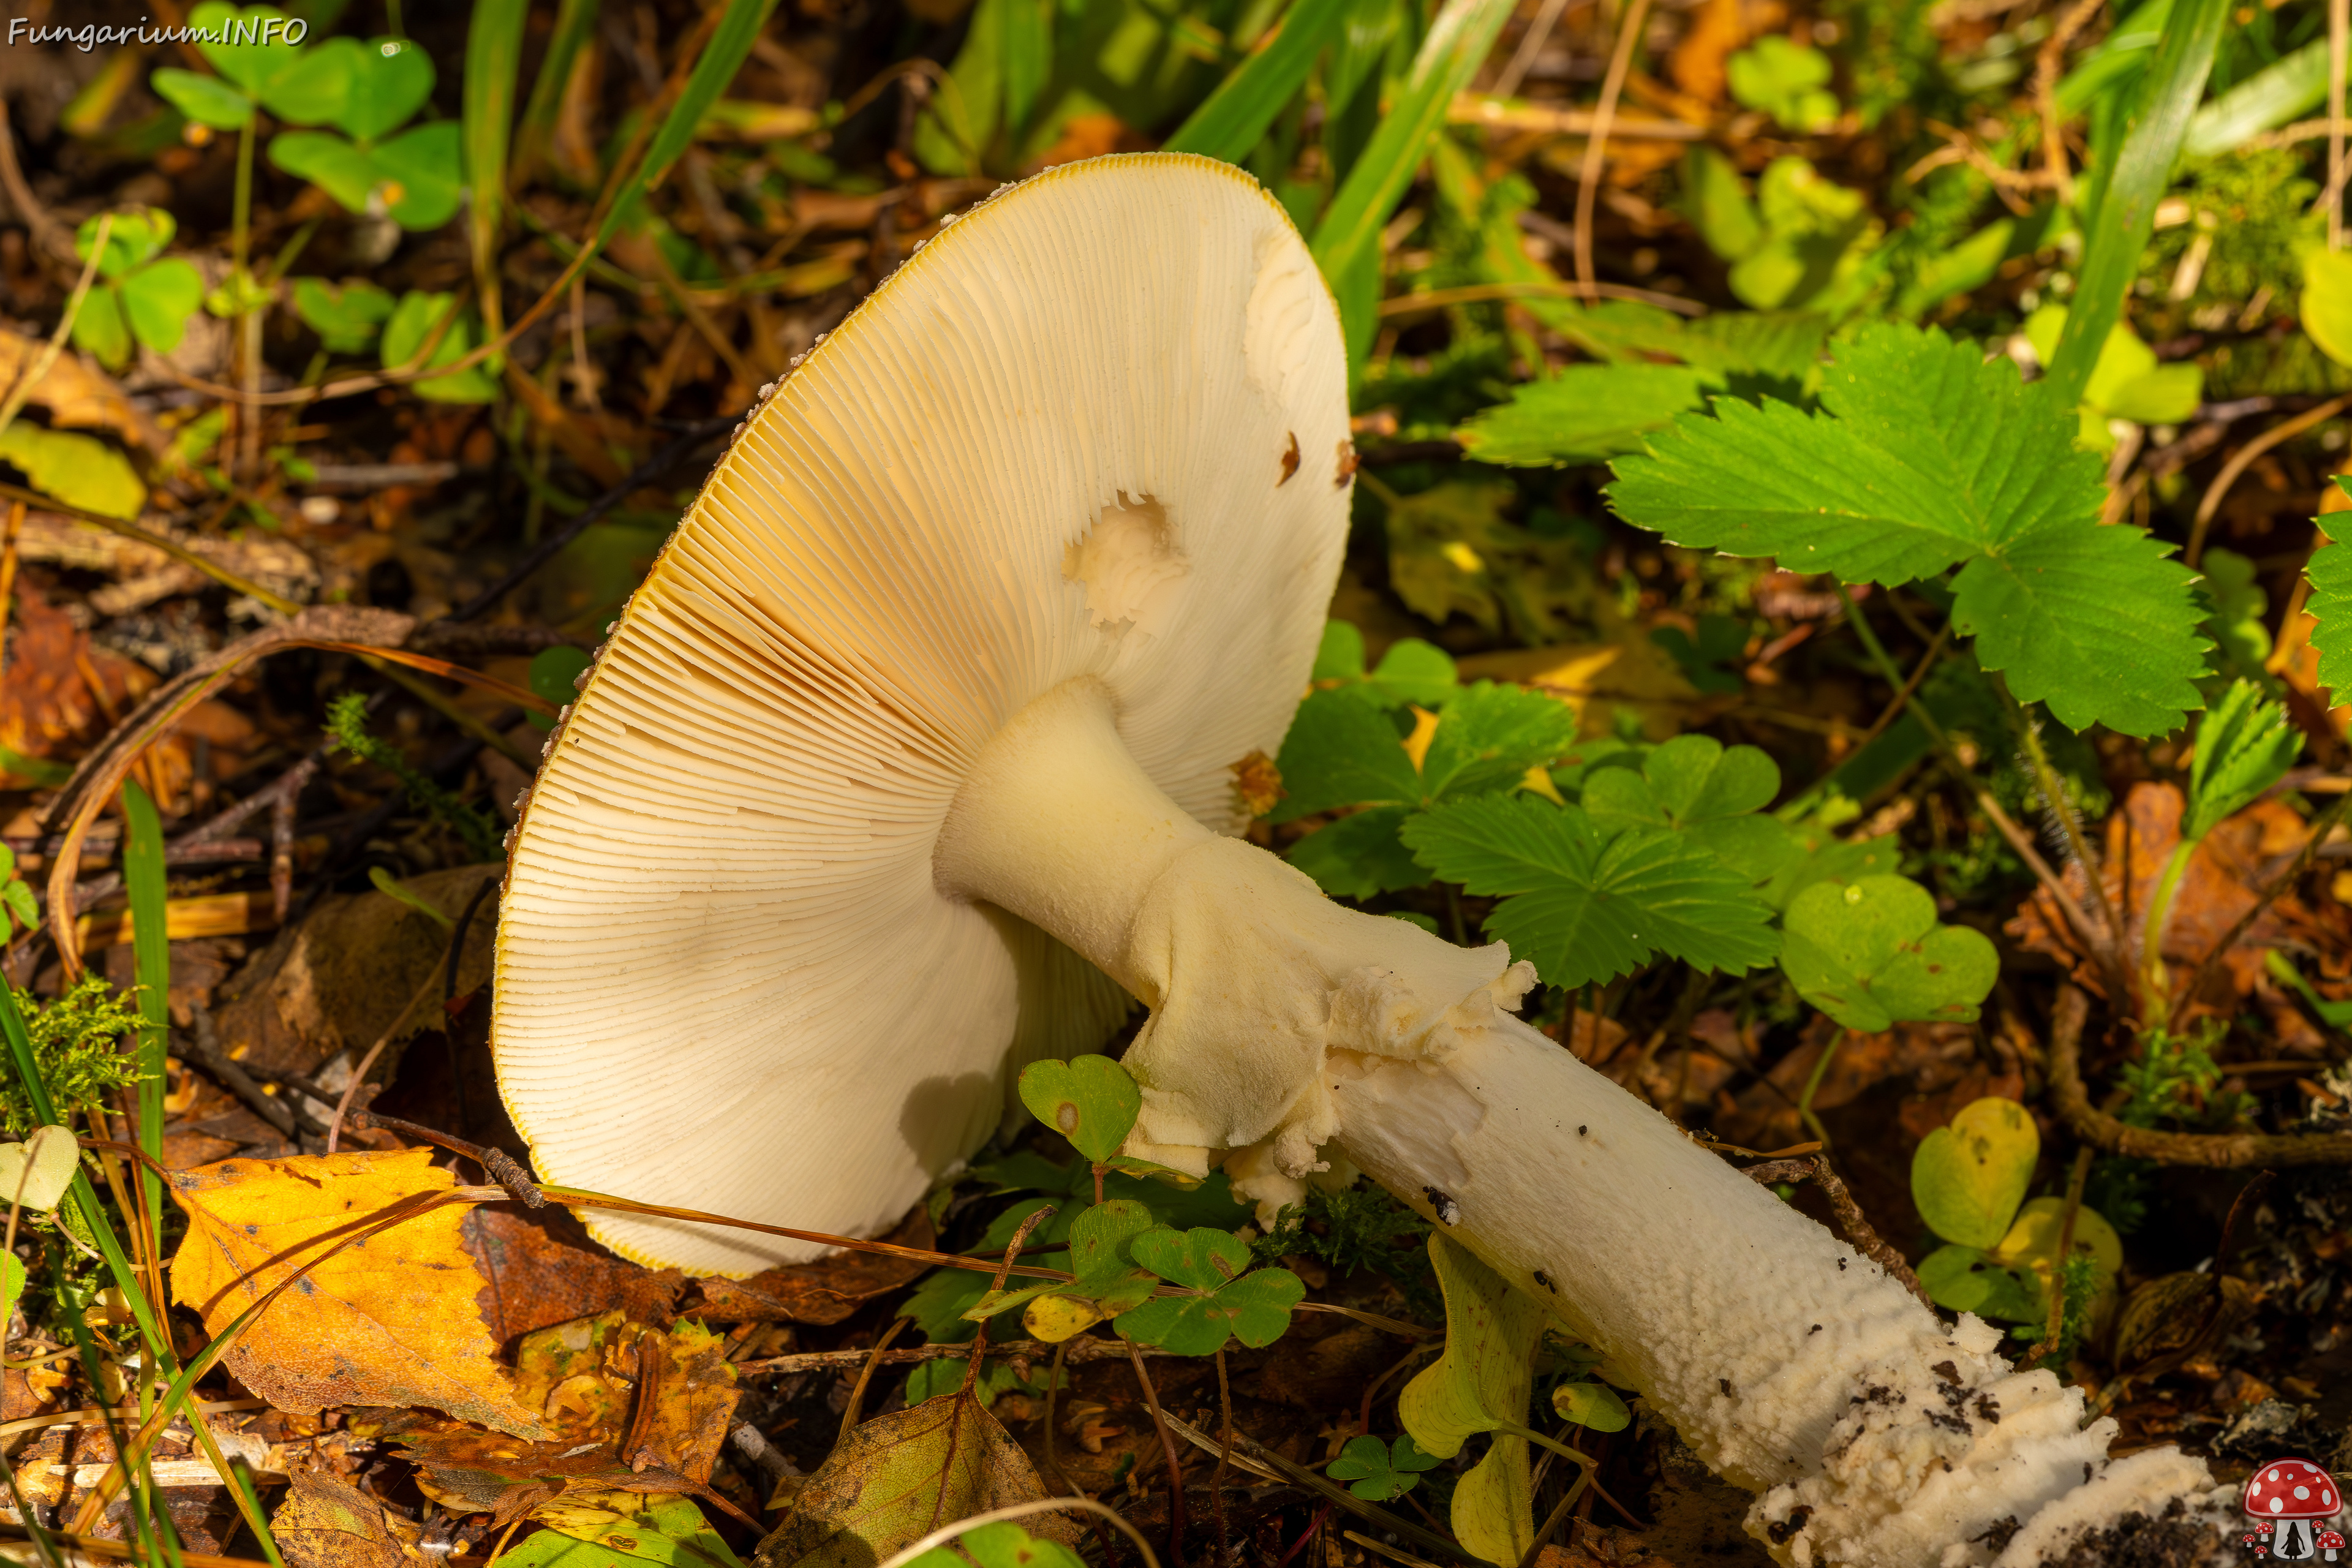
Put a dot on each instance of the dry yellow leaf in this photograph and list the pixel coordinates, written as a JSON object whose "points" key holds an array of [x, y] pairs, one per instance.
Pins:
{"points": [[389, 1320], [324, 1524], [1597, 678]]}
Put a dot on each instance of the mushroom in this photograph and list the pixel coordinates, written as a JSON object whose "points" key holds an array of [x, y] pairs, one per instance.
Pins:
{"points": [[914, 760]]}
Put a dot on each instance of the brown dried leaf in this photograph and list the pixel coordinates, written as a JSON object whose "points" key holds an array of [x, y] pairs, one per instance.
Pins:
{"points": [[542, 1270], [389, 1320], [2218, 885], [323, 1523], [901, 1476], [78, 394], [824, 1291]]}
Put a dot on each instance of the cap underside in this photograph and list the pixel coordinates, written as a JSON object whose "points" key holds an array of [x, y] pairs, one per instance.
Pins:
{"points": [[1093, 428]]}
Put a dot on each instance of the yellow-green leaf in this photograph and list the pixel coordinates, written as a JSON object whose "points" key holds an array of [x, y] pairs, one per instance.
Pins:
{"points": [[79, 470], [1968, 1178], [1483, 1380]]}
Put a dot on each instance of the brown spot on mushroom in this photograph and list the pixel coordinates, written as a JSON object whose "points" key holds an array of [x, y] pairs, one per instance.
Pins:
{"points": [[1947, 1371], [1348, 464], [1289, 462], [1257, 783], [1544, 1279], [1787, 1528], [1724, 1383], [1448, 1211]]}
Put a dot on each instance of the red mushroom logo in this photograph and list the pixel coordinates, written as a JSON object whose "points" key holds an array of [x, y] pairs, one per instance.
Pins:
{"points": [[2293, 1497]]}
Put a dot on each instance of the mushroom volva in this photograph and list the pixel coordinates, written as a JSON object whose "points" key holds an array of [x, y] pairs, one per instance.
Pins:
{"points": [[913, 761]]}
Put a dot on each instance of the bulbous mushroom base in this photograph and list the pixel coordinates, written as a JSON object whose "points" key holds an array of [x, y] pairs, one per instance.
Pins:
{"points": [[1285, 1028]]}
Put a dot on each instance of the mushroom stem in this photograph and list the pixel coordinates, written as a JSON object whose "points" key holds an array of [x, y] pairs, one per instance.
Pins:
{"points": [[1283, 1025]]}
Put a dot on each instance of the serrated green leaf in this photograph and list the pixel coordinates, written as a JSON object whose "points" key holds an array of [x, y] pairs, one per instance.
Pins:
{"points": [[1926, 457], [1582, 413], [2330, 604], [1593, 1404], [2244, 745], [1489, 736], [1341, 751], [1870, 954], [1361, 856], [1586, 903], [1090, 1100], [1968, 1178]]}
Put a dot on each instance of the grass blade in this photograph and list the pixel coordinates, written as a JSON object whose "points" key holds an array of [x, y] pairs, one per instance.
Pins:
{"points": [[151, 946], [1347, 241], [493, 62], [1234, 117], [2124, 215], [573, 18], [721, 60]]}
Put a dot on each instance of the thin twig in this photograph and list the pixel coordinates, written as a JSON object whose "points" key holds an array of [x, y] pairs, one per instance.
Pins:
{"points": [[1596, 147], [1078, 1351], [1531, 44], [38, 371], [850, 1412], [1175, 1468], [2046, 66], [1850, 1218], [2244, 457], [47, 233]]}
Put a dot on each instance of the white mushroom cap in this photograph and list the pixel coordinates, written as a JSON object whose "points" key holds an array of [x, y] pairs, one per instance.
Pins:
{"points": [[1098, 427]]}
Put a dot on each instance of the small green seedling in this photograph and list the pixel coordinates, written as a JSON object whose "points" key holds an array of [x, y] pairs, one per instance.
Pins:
{"points": [[1221, 1301], [17, 897], [262, 65], [1002, 1545], [348, 318], [413, 176], [142, 295], [1786, 80], [1377, 1471], [1968, 1178], [411, 325], [1870, 952], [1593, 1404], [2335, 1015]]}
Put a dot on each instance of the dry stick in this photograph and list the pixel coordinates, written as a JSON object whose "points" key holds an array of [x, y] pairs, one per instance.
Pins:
{"points": [[1596, 147], [1849, 1213], [2057, 1323], [2020, 842], [1523, 59], [359, 1073], [1053, 1387], [8, 573], [1175, 1470], [2214, 1151], [2240, 461], [1903, 694], [1079, 1350], [850, 1412], [1217, 1480], [38, 372], [2339, 25], [1254, 1456], [2047, 65], [1004, 1272], [50, 235]]}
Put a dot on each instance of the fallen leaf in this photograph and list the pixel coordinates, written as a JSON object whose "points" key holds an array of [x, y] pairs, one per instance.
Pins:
{"points": [[46, 707], [2242, 854], [389, 1320], [900, 1477], [824, 1291], [591, 1529], [323, 1523], [540, 1268], [1598, 678], [335, 983], [78, 394]]}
